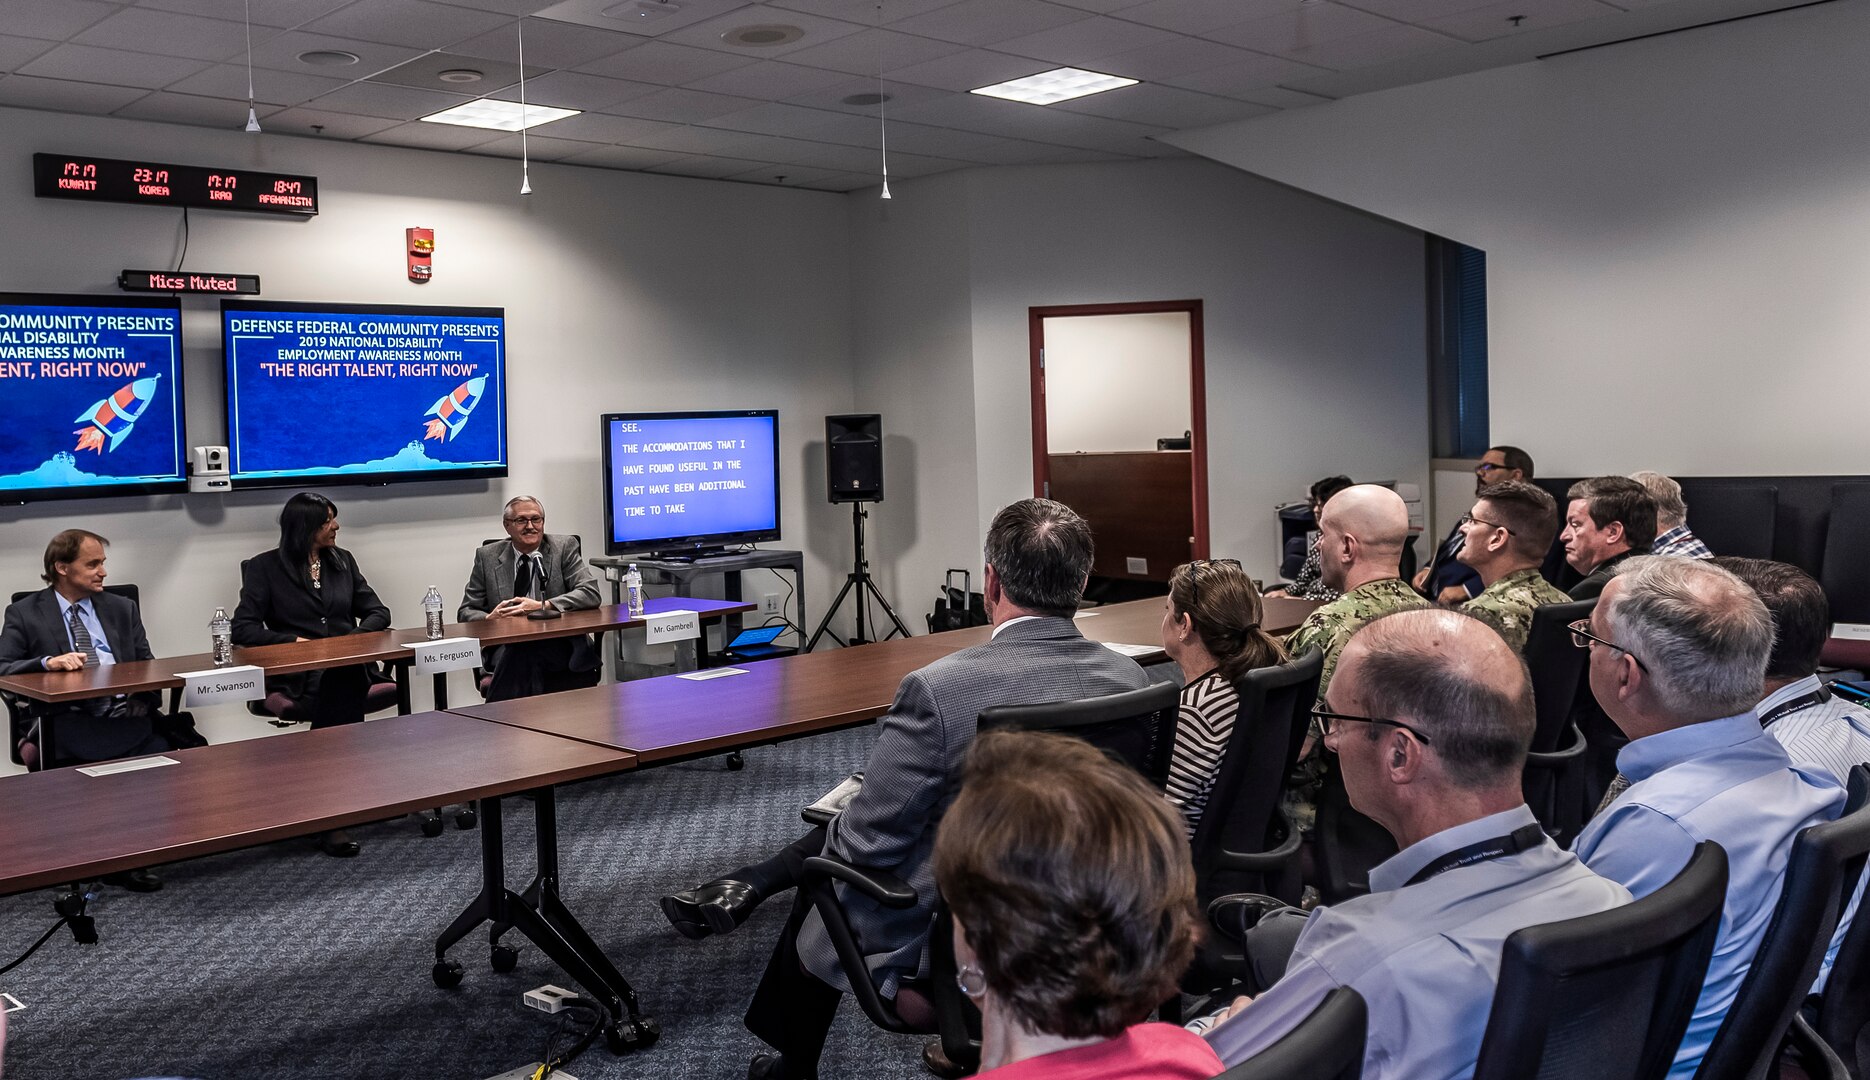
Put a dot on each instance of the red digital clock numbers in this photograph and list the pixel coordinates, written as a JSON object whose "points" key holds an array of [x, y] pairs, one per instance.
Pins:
{"points": [[111, 180]]}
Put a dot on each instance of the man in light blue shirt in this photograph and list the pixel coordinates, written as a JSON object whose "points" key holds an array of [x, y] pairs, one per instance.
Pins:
{"points": [[1678, 661], [1430, 714]]}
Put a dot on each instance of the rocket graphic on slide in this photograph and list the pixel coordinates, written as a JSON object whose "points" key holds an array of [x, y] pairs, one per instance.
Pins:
{"points": [[115, 415], [451, 410]]}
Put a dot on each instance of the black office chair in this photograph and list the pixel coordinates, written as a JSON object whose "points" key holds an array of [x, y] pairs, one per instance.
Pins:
{"points": [[1327, 1045], [1135, 726], [22, 713], [1346, 844], [1843, 1014], [1607, 995], [1553, 780], [1826, 862], [1243, 843]]}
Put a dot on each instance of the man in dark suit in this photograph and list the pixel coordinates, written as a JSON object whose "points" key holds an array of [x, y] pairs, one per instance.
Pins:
{"points": [[1608, 519], [73, 624], [532, 570], [1447, 580], [1038, 558]]}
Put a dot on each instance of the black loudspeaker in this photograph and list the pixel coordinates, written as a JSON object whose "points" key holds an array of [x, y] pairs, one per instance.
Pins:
{"points": [[854, 458]]}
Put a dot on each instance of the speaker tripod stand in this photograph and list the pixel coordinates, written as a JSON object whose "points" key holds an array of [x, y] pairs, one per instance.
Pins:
{"points": [[860, 580]]}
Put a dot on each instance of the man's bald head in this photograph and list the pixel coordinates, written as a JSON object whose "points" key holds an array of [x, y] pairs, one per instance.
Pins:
{"points": [[1452, 677], [1361, 535]]}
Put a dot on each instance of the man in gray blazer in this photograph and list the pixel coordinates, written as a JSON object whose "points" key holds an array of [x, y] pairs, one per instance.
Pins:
{"points": [[531, 570], [1038, 558]]}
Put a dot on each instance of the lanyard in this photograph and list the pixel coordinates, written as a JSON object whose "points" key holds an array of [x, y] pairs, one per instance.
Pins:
{"points": [[1498, 847], [1787, 708]]}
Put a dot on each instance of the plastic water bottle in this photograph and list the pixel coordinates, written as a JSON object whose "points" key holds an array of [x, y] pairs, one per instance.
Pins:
{"points": [[633, 591], [221, 633], [432, 609]]}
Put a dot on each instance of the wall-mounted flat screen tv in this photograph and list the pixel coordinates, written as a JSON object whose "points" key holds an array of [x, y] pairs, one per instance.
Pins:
{"points": [[90, 396], [687, 483], [363, 393]]}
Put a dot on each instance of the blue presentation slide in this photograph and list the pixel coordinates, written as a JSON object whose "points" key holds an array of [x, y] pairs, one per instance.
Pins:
{"points": [[348, 394], [691, 477], [89, 396]]}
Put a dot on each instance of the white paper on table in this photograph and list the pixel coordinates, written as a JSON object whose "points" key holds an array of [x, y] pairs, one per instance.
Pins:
{"points": [[711, 673], [130, 765], [1132, 650]]}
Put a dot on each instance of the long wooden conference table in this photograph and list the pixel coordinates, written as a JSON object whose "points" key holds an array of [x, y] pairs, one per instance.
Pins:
{"points": [[65, 826]]}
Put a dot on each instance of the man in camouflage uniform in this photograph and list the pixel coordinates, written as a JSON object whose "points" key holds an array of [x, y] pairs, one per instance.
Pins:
{"points": [[1506, 536]]}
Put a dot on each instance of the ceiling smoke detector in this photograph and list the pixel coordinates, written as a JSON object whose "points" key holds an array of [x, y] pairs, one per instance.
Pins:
{"points": [[329, 58], [763, 36], [460, 75], [865, 99]]}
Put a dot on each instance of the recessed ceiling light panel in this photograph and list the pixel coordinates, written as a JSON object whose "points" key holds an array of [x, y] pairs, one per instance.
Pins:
{"points": [[498, 115], [1059, 84], [328, 58]]}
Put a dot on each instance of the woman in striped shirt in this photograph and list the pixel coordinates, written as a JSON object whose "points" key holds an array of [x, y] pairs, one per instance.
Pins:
{"points": [[1211, 629]]}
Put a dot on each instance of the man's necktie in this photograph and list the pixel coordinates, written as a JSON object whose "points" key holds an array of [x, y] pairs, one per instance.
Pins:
{"points": [[1616, 788], [529, 580], [81, 638]]}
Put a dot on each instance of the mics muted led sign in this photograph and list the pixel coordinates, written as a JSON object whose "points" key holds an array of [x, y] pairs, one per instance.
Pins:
{"points": [[189, 281]]}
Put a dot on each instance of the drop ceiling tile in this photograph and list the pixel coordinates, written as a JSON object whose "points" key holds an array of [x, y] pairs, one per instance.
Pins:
{"points": [[190, 109], [282, 53], [509, 8], [962, 145], [1254, 72], [271, 13], [906, 165], [1201, 16], [573, 90], [1183, 56], [968, 70], [170, 34], [415, 23], [770, 80], [64, 96], [874, 50], [1101, 7], [425, 73], [649, 18], [53, 20], [707, 34], [845, 182], [538, 147], [1080, 44], [1496, 20], [604, 128], [1300, 29], [665, 63], [87, 63], [334, 125], [984, 22], [620, 157], [549, 44], [1378, 47], [15, 51], [678, 106], [390, 102], [708, 167], [431, 136], [1280, 97], [1163, 106], [275, 87], [1418, 11], [824, 156], [849, 130], [784, 175], [832, 97], [867, 12], [775, 118]]}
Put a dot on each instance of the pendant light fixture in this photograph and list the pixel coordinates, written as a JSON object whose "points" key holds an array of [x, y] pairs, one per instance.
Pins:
{"points": [[253, 118], [525, 163]]}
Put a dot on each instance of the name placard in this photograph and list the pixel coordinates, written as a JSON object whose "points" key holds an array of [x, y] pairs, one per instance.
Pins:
{"points": [[218, 685], [665, 626], [1851, 630], [448, 654]]}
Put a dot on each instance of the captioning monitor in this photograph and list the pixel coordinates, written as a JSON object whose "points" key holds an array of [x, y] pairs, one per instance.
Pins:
{"points": [[363, 393], [90, 396], [690, 482]]}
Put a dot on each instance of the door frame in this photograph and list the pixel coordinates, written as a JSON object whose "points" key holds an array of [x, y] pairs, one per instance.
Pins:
{"points": [[1197, 387]]}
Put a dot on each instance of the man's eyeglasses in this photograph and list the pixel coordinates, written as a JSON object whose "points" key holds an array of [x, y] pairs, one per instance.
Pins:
{"points": [[1465, 518], [1486, 467], [1582, 637], [1194, 573], [1328, 721], [529, 519]]}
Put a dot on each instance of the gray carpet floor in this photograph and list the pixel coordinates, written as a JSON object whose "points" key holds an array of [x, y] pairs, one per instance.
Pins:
{"points": [[278, 961]]}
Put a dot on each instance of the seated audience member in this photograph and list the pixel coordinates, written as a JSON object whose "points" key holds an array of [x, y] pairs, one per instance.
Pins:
{"points": [[1360, 540], [1446, 579], [71, 624], [1038, 557], [532, 570], [1506, 536], [1672, 534], [1431, 716], [1211, 629], [1609, 519], [305, 589], [1679, 650], [1074, 912], [1309, 585]]}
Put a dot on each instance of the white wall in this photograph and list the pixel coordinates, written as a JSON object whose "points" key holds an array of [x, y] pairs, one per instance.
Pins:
{"points": [[1674, 231], [1115, 382], [622, 291], [1314, 319]]}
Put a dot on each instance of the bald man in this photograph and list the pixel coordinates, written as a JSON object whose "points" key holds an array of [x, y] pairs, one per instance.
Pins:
{"points": [[1361, 533]]}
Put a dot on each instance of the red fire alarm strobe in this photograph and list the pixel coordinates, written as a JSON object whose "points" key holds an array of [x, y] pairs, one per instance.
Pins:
{"points": [[421, 246]]}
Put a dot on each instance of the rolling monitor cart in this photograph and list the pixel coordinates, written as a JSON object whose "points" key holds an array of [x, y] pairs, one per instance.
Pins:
{"points": [[681, 572]]}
